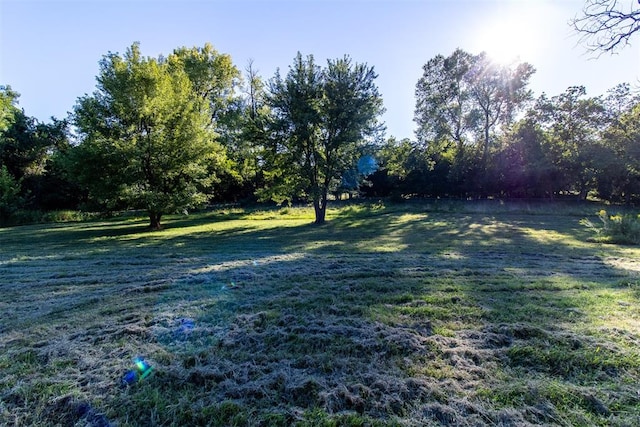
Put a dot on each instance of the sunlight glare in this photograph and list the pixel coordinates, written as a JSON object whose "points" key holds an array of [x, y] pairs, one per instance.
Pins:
{"points": [[516, 34]]}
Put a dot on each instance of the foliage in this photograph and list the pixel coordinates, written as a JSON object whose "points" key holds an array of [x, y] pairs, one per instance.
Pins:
{"points": [[243, 130], [212, 75], [322, 119], [170, 133], [22, 216], [461, 99], [216, 79], [572, 123], [462, 102], [619, 159], [10, 199], [443, 112], [523, 168], [146, 135], [21, 149], [468, 144], [31, 152], [498, 93], [619, 228], [8, 100]]}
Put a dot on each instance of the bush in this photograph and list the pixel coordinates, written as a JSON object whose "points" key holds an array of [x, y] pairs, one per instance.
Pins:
{"points": [[10, 199], [26, 216], [67, 216], [622, 229]]}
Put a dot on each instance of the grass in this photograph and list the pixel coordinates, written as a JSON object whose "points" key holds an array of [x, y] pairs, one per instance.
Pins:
{"points": [[401, 315]]}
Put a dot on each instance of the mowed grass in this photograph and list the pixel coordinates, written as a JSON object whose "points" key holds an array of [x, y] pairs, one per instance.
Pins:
{"points": [[407, 315]]}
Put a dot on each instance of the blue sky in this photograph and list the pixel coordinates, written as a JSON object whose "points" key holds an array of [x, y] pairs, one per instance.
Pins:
{"points": [[49, 49]]}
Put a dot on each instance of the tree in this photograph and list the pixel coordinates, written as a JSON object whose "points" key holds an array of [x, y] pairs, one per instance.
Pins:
{"points": [[10, 190], [321, 118], [146, 136], [214, 78], [56, 188], [620, 162], [442, 102], [212, 74], [243, 132], [392, 168], [255, 91], [607, 25], [27, 151], [22, 148], [462, 101], [498, 92], [523, 167], [573, 123], [8, 100]]}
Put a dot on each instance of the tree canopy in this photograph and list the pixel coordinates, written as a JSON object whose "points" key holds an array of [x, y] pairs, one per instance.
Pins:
{"points": [[146, 134], [322, 118], [461, 99], [32, 175]]}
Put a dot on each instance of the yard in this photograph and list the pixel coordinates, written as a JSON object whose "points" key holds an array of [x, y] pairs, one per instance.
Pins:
{"points": [[413, 314]]}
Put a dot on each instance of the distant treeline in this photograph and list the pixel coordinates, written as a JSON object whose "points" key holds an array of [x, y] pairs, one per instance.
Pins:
{"points": [[171, 133]]}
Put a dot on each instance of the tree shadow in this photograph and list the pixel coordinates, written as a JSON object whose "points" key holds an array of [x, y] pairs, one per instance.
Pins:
{"points": [[383, 312]]}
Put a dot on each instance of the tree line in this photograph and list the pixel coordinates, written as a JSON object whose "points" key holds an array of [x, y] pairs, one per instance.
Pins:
{"points": [[482, 134], [172, 133]]}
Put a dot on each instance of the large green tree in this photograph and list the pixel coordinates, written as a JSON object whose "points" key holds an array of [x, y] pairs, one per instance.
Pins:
{"points": [[8, 100], [463, 103], [9, 186], [146, 135], [322, 118], [573, 123], [212, 74], [443, 108], [523, 167], [620, 160], [498, 92], [29, 154], [243, 131]]}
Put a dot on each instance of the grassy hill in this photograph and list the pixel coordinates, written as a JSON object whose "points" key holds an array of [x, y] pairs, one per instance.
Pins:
{"points": [[420, 314]]}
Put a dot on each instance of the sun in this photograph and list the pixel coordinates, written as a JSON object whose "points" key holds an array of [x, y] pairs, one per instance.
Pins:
{"points": [[509, 41], [514, 34]]}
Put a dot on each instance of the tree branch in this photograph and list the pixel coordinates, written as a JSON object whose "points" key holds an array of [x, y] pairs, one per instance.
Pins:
{"points": [[607, 25]]}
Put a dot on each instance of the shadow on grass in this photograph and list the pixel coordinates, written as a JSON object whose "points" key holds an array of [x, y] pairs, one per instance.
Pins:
{"points": [[382, 313]]}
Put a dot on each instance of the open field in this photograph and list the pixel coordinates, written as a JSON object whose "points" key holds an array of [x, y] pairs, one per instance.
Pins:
{"points": [[387, 315]]}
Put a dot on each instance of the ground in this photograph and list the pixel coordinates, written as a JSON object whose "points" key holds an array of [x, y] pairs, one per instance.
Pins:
{"points": [[416, 314]]}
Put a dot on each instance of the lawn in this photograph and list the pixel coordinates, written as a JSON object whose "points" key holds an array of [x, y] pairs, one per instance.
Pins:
{"points": [[409, 315]]}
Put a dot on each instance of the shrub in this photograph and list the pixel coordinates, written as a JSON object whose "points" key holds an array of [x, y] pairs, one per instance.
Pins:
{"points": [[67, 216], [26, 216], [622, 229], [10, 199]]}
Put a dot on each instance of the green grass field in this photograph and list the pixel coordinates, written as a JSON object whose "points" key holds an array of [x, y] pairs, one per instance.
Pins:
{"points": [[410, 315]]}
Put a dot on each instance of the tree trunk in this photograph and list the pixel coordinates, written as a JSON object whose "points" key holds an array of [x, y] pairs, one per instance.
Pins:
{"points": [[485, 149], [154, 220], [320, 207]]}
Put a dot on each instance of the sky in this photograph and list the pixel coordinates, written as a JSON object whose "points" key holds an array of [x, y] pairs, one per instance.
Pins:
{"points": [[50, 49]]}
